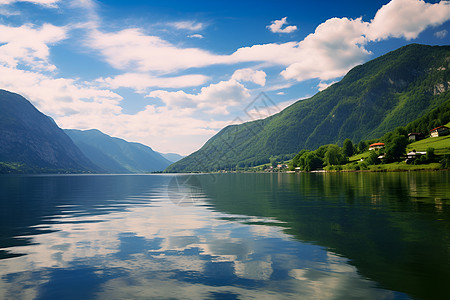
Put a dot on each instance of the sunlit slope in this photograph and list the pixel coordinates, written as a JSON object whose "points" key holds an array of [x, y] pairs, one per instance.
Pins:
{"points": [[370, 100]]}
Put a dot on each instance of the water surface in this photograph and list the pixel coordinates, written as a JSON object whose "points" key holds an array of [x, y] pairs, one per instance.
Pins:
{"points": [[229, 236]]}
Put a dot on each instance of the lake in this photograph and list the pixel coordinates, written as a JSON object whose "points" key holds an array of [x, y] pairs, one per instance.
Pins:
{"points": [[226, 236]]}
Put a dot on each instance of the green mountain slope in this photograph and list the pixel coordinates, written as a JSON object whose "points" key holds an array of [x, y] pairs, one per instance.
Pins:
{"points": [[32, 142], [114, 155], [370, 100]]}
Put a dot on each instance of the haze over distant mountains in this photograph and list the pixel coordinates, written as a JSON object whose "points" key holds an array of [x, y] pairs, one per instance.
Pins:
{"points": [[172, 157], [372, 99], [31, 142], [114, 155]]}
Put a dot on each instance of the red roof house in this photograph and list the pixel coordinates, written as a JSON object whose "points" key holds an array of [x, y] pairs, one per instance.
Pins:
{"points": [[439, 131], [376, 146]]}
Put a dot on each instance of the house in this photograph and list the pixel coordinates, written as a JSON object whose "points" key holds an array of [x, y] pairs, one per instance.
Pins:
{"points": [[376, 146], [416, 136], [439, 131], [413, 155]]}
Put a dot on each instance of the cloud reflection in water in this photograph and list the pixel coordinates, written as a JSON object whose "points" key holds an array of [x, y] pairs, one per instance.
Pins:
{"points": [[145, 246]]}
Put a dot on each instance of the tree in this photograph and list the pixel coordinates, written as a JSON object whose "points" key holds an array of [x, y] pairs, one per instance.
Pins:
{"points": [[334, 156], [312, 162], [296, 159], [362, 146], [431, 156], [396, 148], [273, 161], [373, 158], [445, 162], [401, 131], [348, 147]]}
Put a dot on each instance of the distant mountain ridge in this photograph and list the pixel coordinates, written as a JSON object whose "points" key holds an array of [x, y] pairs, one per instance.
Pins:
{"points": [[372, 99], [172, 157], [115, 155], [32, 140]]}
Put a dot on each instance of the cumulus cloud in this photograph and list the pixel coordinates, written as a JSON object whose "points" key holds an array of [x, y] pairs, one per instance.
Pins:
{"points": [[142, 81], [329, 52], [60, 97], [214, 99], [80, 105], [336, 46], [407, 19], [29, 45], [276, 26], [250, 75], [161, 127]]}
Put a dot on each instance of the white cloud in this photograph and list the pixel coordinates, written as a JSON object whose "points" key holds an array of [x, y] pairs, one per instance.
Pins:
{"points": [[48, 3], [28, 45], [195, 36], [276, 26], [214, 99], [132, 49], [250, 75], [329, 52], [335, 47], [82, 106], [324, 85], [163, 128], [142, 81], [88, 10], [59, 96], [441, 34], [187, 119], [407, 19], [184, 123], [187, 25]]}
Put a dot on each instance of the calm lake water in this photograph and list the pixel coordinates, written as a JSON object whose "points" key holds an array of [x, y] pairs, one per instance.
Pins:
{"points": [[230, 236]]}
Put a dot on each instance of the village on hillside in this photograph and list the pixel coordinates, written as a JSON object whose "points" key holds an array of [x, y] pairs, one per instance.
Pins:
{"points": [[413, 151]]}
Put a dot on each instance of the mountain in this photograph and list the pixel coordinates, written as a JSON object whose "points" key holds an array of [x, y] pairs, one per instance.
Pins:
{"points": [[372, 99], [172, 157], [114, 155], [32, 142]]}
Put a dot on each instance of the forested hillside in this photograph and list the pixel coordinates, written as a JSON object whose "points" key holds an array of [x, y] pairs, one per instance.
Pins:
{"points": [[370, 100]]}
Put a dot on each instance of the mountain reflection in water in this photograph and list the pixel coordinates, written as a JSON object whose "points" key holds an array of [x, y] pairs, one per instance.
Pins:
{"points": [[321, 236]]}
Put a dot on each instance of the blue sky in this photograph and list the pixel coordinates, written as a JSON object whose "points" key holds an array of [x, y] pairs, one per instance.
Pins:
{"points": [[171, 74]]}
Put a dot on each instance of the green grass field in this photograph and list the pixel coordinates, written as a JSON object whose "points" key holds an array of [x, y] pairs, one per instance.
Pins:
{"points": [[402, 166], [440, 144]]}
